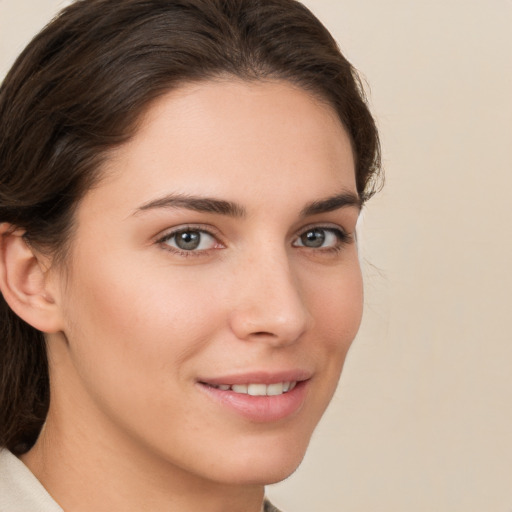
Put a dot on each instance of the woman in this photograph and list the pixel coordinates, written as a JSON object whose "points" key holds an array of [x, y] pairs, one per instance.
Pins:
{"points": [[179, 188]]}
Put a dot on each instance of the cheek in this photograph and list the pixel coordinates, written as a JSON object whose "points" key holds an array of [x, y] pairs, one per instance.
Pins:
{"points": [[336, 305], [133, 344], [142, 328]]}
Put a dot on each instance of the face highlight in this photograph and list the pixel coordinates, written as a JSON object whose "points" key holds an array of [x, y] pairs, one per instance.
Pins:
{"points": [[214, 286]]}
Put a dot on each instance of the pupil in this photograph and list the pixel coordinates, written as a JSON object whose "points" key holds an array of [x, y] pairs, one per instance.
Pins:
{"points": [[313, 238], [188, 240]]}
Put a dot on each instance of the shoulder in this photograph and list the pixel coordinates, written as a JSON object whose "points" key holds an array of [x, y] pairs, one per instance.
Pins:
{"points": [[19, 488]]}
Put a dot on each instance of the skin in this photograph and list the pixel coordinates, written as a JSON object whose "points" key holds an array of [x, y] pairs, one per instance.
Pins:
{"points": [[138, 324]]}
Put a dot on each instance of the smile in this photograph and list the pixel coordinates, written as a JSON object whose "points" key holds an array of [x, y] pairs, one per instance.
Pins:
{"points": [[275, 389], [260, 402]]}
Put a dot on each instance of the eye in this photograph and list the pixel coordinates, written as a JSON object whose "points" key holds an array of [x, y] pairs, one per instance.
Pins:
{"points": [[321, 238], [190, 240]]}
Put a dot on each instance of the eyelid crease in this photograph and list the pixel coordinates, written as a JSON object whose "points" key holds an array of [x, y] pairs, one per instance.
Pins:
{"points": [[203, 228], [323, 225]]}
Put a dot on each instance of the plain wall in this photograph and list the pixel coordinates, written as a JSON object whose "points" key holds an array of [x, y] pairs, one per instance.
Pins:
{"points": [[422, 420]]}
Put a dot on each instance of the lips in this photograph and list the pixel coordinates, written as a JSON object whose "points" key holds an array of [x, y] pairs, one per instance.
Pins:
{"points": [[260, 396]]}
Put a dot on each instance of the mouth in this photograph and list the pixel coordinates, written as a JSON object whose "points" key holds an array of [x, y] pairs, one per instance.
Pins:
{"points": [[259, 397], [256, 389]]}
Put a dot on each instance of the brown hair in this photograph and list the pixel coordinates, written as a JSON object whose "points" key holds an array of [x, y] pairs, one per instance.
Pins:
{"points": [[79, 88]]}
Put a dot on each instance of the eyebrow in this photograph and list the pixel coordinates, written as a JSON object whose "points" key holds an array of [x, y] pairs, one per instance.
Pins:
{"points": [[329, 204], [199, 204], [232, 209]]}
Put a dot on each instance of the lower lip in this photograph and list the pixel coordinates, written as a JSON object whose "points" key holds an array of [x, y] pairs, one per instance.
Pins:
{"points": [[261, 409]]}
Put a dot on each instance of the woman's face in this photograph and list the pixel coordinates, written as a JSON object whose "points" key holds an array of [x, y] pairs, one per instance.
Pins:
{"points": [[213, 287]]}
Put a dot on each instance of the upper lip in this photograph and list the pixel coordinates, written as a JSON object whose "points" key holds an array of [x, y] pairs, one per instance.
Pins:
{"points": [[259, 377]]}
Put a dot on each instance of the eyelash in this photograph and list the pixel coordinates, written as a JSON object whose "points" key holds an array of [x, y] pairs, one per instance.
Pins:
{"points": [[343, 238], [184, 229]]}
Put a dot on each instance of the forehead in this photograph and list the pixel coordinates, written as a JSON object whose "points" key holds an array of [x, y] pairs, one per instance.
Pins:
{"points": [[234, 140]]}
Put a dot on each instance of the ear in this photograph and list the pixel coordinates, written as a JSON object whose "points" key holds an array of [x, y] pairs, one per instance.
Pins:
{"points": [[24, 281]]}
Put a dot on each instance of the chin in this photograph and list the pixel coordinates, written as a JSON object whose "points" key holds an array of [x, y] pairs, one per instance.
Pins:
{"points": [[270, 472], [263, 464]]}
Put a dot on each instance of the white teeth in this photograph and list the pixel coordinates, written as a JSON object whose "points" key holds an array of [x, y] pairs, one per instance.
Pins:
{"points": [[275, 389], [256, 389], [259, 389]]}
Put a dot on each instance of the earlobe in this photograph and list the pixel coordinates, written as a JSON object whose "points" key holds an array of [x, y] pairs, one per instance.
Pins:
{"points": [[24, 281]]}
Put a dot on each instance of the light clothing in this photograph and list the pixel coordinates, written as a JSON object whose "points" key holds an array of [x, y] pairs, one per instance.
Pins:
{"points": [[21, 491]]}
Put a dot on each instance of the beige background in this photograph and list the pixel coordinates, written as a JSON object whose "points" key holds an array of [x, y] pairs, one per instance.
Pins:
{"points": [[422, 420]]}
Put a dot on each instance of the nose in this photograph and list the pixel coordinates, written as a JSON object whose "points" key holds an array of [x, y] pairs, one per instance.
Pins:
{"points": [[269, 304]]}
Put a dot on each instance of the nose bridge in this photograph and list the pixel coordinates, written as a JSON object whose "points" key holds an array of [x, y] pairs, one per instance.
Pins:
{"points": [[269, 300]]}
